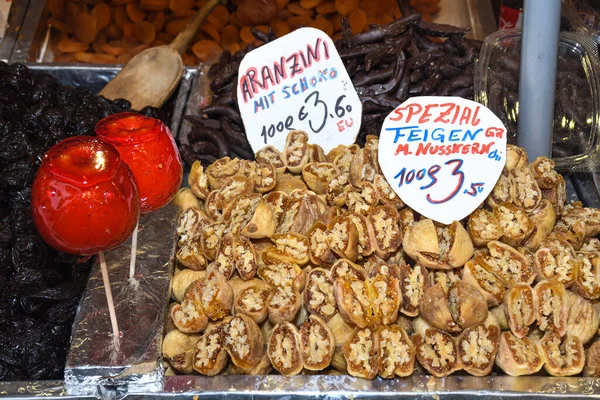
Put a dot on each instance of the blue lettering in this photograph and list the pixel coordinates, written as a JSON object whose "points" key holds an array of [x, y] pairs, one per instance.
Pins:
{"points": [[258, 104], [295, 89], [303, 84], [285, 92], [453, 135], [414, 135], [397, 131], [439, 137], [471, 136]]}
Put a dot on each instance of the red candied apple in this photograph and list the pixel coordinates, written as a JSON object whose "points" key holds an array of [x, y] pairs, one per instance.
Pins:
{"points": [[148, 148], [84, 198]]}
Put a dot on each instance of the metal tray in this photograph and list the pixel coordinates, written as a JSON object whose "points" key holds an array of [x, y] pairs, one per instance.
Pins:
{"points": [[32, 46]]}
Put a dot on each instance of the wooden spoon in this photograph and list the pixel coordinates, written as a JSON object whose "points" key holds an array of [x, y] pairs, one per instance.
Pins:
{"points": [[149, 78]]}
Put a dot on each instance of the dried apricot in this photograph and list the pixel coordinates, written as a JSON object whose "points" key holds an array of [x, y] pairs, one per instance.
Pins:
{"points": [[211, 31], [296, 9], [345, 7], [157, 19], [280, 27], [134, 13], [299, 22], [114, 31], [68, 45], [206, 50], [102, 14], [308, 4], [57, 8], [85, 28], [246, 35], [121, 17], [323, 24], [358, 21], [221, 14], [95, 58], [178, 5], [281, 4], [128, 29], [144, 32], [229, 36], [59, 25], [326, 8], [113, 50], [176, 25]]}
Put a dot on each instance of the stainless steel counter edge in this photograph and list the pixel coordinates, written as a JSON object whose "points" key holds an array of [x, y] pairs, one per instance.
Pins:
{"points": [[334, 387]]}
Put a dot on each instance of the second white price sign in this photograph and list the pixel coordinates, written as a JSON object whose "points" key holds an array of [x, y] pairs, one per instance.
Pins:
{"points": [[298, 82]]}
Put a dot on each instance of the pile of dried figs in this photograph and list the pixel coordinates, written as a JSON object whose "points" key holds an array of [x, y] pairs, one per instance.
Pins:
{"points": [[302, 260]]}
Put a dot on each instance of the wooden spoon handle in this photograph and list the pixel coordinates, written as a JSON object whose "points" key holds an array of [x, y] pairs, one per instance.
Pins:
{"points": [[180, 43]]}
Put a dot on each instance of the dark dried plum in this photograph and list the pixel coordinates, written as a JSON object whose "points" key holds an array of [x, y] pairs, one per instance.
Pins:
{"points": [[28, 251], [17, 175]]}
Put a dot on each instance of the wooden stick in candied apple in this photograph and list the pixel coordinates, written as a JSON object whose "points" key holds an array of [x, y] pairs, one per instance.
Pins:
{"points": [[109, 298], [132, 259]]}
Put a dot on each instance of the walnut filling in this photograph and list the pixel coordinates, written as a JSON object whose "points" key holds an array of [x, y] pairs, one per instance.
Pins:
{"points": [[293, 246], [319, 243], [338, 236], [187, 222], [385, 228], [289, 218], [504, 264], [252, 299], [476, 347], [284, 349], [207, 350], [439, 350], [361, 351], [343, 269], [281, 274], [316, 342], [444, 241], [412, 287], [588, 277], [524, 351], [527, 192], [282, 297], [187, 314], [209, 292], [393, 351], [484, 225], [557, 261], [512, 223], [237, 339], [562, 355], [550, 305], [363, 236], [320, 294], [245, 261], [520, 309], [211, 236], [344, 160], [501, 191], [487, 280], [445, 278], [269, 156], [336, 190]]}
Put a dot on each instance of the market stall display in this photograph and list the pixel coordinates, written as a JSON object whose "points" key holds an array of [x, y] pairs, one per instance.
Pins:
{"points": [[321, 264], [112, 33]]}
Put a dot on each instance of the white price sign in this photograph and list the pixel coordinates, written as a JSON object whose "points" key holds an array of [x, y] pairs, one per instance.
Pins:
{"points": [[442, 155], [298, 82], [4, 11]]}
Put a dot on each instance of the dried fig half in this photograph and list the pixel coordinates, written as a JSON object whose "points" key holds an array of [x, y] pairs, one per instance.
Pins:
{"points": [[564, 357], [269, 155], [516, 157], [515, 225], [189, 316], [343, 237], [483, 227], [552, 306], [178, 350], [435, 350], [319, 297], [284, 349], [295, 154], [362, 354], [477, 348], [396, 352], [575, 213], [385, 193], [384, 230], [198, 181], [587, 283], [344, 268], [520, 307], [556, 259], [517, 357], [222, 169], [413, 283], [542, 169], [243, 341], [317, 344], [283, 303], [317, 175], [488, 284], [210, 357], [526, 192]]}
